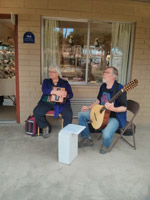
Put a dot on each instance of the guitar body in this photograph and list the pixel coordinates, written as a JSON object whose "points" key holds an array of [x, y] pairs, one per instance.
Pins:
{"points": [[99, 119]]}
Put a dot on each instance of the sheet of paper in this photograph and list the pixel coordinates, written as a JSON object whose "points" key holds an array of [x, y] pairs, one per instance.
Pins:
{"points": [[73, 128]]}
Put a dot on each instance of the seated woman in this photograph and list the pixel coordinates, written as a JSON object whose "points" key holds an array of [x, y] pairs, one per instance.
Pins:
{"points": [[46, 104]]}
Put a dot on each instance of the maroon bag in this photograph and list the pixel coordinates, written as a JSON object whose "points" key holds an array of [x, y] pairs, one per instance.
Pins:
{"points": [[31, 126]]}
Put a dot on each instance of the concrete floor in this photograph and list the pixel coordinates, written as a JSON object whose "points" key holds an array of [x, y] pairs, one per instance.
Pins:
{"points": [[7, 113], [29, 169]]}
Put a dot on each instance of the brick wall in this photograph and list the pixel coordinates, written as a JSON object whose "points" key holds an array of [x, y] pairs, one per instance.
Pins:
{"points": [[29, 19]]}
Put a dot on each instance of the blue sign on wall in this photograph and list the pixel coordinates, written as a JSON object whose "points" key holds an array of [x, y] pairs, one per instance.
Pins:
{"points": [[28, 38]]}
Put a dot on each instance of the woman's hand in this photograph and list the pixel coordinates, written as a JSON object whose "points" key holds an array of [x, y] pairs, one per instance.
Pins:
{"points": [[59, 93]]}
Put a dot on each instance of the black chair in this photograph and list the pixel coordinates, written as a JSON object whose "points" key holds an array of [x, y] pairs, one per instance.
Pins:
{"points": [[133, 107]]}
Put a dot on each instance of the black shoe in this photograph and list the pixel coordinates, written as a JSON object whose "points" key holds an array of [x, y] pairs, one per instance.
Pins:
{"points": [[41, 130], [103, 149], [46, 132], [49, 128], [85, 142]]}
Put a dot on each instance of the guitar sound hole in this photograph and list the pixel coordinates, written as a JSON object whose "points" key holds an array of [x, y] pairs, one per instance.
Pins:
{"points": [[101, 110], [95, 116]]}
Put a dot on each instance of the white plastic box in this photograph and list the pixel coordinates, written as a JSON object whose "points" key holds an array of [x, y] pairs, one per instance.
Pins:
{"points": [[68, 143]]}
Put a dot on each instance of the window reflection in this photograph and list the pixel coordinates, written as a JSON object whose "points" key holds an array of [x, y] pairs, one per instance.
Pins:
{"points": [[73, 41], [99, 54]]}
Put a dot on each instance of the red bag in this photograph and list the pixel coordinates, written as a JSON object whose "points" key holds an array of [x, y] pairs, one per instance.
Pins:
{"points": [[31, 126]]}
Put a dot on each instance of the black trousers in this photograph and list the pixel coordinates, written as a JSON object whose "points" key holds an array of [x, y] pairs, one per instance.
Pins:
{"points": [[43, 107], [1, 100]]}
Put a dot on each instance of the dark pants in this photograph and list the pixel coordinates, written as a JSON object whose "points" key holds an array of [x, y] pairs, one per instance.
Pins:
{"points": [[43, 107], [1, 100]]}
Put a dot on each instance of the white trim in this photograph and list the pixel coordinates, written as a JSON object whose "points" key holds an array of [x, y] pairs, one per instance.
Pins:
{"points": [[77, 83], [131, 52], [65, 19], [84, 83], [106, 21], [42, 60], [87, 56], [84, 20]]}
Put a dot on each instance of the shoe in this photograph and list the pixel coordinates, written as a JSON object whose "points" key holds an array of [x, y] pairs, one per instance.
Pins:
{"points": [[46, 132], [103, 149], [85, 142], [41, 131]]}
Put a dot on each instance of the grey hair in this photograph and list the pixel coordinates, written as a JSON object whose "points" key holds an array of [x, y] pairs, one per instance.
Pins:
{"points": [[57, 68], [114, 71]]}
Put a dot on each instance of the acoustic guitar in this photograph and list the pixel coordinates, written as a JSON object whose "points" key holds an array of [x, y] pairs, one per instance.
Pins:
{"points": [[55, 98], [99, 115]]}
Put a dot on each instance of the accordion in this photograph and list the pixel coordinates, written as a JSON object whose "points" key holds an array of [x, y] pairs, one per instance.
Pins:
{"points": [[55, 98]]}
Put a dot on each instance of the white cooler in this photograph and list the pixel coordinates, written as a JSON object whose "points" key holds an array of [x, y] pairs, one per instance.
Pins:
{"points": [[68, 143]]}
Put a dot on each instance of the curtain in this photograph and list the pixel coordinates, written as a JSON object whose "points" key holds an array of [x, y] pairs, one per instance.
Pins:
{"points": [[50, 46], [121, 39]]}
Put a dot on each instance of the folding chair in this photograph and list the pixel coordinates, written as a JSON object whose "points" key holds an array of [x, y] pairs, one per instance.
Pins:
{"points": [[133, 107]]}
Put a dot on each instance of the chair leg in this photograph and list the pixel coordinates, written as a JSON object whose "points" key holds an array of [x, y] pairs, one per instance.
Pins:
{"points": [[133, 133], [110, 148], [123, 137], [62, 121], [119, 137], [129, 143], [38, 131]]}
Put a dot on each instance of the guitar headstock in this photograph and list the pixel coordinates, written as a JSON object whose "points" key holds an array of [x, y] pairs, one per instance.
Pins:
{"points": [[130, 85]]}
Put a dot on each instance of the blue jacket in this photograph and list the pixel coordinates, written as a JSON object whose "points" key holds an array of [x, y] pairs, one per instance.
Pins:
{"points": [[120, 101], [47, 87]]}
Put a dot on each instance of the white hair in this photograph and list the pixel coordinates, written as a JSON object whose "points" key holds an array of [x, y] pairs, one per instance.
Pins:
{"points": [[57, 68], [114, 71]]}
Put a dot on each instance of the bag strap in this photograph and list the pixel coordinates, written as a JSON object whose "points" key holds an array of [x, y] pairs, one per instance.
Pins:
{"points": [[115, 89]]}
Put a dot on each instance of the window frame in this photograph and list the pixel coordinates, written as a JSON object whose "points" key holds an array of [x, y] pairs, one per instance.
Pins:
{"points": [[128, 75]]}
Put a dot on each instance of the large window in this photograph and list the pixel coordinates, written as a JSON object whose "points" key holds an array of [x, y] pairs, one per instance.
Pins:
{"points": [[84, 48]]}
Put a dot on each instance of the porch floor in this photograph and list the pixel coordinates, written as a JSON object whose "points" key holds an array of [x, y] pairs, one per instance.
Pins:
{"points": [[30, 170]]}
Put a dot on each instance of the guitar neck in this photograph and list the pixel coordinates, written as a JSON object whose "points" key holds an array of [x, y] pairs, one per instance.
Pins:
{"points": [[115, 96], [126, 88], [112, 99]]}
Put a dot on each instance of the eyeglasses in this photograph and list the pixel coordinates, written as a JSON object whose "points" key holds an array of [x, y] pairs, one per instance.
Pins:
{"points": [[107, 73], [52, 72]]}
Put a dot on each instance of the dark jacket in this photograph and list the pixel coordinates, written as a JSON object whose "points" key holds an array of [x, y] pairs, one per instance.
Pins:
{"points": [[47, 87], [120, 101]]}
